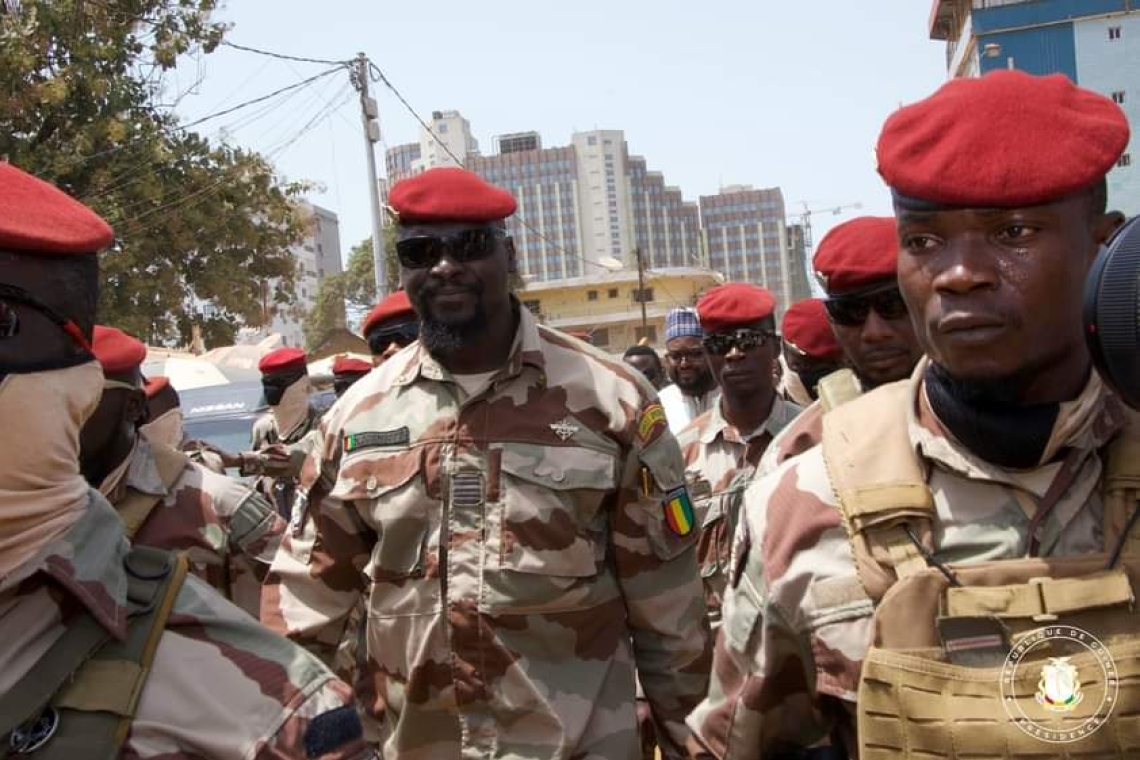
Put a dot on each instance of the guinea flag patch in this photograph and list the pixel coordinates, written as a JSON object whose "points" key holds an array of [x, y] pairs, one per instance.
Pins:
{"points": [[651, 424], [679, 511]]}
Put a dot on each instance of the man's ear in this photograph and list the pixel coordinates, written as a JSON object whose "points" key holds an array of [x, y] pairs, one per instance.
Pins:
{"points": [[1106, 224]]}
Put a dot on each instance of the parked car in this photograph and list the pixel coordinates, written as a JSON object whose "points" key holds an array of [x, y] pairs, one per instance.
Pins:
{"points": [[223, 415]]}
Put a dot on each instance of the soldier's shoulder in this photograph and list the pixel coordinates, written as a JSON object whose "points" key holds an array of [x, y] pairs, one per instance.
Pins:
{"points": [[248, 687], [691, 433]]}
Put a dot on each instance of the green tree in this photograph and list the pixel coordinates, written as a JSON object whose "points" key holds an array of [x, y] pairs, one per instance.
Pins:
{"points": [[81, 91]]}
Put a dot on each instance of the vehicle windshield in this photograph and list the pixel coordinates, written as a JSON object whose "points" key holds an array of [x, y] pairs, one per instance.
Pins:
{"points": [[230, 434]]}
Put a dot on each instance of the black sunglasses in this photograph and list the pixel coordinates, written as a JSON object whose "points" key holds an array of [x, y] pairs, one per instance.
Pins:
{"points": [[425, 251], [852, 310], [719, 344], [402, 335], [10, 320]]}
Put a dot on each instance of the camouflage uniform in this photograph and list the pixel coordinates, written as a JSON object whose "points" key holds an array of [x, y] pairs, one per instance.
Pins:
{"points": [[221, 687], [279, 490], [797, 619], [517, 553], [230, 533], [719, 463], [804, 432]]}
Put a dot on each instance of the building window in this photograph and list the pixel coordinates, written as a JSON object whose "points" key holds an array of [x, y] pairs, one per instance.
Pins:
{"points": [[644, 295], [649, 332], [613, 293], [1114, 32], [442, 128], [1118, 96], [600, 337], [533, 305], [591, 140], [1125, 160], [591, 295]]}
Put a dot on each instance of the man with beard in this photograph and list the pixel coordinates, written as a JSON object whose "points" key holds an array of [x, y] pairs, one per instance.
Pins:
{"points": [[110, 650], [693, 391], [723, 445], [856, 263], [519, 504], [810, 351], [229, 532], [892, 580]]}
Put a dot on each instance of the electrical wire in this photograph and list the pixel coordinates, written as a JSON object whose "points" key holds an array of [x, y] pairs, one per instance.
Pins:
{"points": [[263, 98], [284, 56]]}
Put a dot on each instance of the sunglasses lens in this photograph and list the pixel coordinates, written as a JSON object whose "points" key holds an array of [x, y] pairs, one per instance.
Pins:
{"points": [[418, 252], [848, 312], [9, 321], [718, 345], [890, 305], [472, 245]]}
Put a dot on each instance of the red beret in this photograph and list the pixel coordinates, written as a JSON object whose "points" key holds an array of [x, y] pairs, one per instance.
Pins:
{"points": [[347, 365], [807, 328], [281, 360], [395, 305], [857, 253], [38, 218], [734, 304], [156, 385], [1006, 139], [117, 351], [449, 195]]}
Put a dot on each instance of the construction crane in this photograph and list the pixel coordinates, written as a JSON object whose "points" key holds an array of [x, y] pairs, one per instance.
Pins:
{"points": [[805, 221]]}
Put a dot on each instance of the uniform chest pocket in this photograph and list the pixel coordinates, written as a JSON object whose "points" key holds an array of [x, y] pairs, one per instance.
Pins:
{"points": [[387, 489], [552, 521]]}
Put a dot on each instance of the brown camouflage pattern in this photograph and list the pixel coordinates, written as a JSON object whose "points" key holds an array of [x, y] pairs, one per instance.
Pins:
{"points": [[719, 463], [515, 552], [229, 532], [803, 433], [797, 620], [280, 491], [221, 686]]}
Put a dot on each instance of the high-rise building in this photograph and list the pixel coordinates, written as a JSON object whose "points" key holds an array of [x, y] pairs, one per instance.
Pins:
{"points": [[798, 264], [666, 227], [1096, 43], [452, 139], [746, 239]]}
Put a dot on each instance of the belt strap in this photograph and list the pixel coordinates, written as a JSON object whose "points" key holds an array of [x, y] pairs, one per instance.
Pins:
{"points": [[1042, 599]]}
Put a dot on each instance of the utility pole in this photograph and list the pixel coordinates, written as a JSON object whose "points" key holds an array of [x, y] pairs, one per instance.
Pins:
{"points": [[368, 114]]}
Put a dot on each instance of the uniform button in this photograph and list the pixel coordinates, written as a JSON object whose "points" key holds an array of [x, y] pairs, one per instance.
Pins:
{"points": [[371, 484]]}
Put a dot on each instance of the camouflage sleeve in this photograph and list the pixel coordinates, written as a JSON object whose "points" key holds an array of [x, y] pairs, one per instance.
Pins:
{"points": [[657, 570], [317, 576], [783, 642], [256, 529], [801, 434]]}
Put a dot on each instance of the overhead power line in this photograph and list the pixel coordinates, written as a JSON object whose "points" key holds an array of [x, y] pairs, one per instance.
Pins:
{"points": [[284, 56], [263, 98]]}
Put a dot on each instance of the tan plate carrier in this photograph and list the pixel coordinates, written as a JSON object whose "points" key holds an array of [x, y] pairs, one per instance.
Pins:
{"points": [[912, 702]]}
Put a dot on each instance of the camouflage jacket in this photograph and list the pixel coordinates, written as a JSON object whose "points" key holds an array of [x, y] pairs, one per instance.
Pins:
{"points": [[797, 621], [718, 465], [221, 687], [517, 550], [230, 533], [280, 490], [803, 433]]}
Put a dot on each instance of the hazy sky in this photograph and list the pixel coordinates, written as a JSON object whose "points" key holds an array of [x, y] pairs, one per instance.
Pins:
{"points": [[712, 93]]}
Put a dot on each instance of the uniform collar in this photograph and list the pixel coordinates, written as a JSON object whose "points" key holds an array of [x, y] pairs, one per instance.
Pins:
{"points": [[781, 414], [526, 351]]}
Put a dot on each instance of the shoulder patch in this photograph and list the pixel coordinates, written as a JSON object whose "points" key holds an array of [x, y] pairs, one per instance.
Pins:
{"points": [[332, 730], [356, 441], [679, 511], [651, 424]]}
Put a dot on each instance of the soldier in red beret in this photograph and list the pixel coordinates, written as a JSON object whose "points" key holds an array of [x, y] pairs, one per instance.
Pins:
{"points": [[390, 326], [518, 507], [166, 500], [887, 576], [723, 445], [346, 371], [111, 650], [810, 351]]}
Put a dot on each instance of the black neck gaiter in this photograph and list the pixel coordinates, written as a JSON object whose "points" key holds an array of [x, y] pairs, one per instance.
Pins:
{"points": [[987, 420]]}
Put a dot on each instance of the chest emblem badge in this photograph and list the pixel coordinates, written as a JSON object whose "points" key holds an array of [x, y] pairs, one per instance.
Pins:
{"points": [[564, 428]]}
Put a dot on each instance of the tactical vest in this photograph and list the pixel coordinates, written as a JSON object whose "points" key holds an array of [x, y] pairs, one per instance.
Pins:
{"points": [[79, 699], [931, 686]]}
